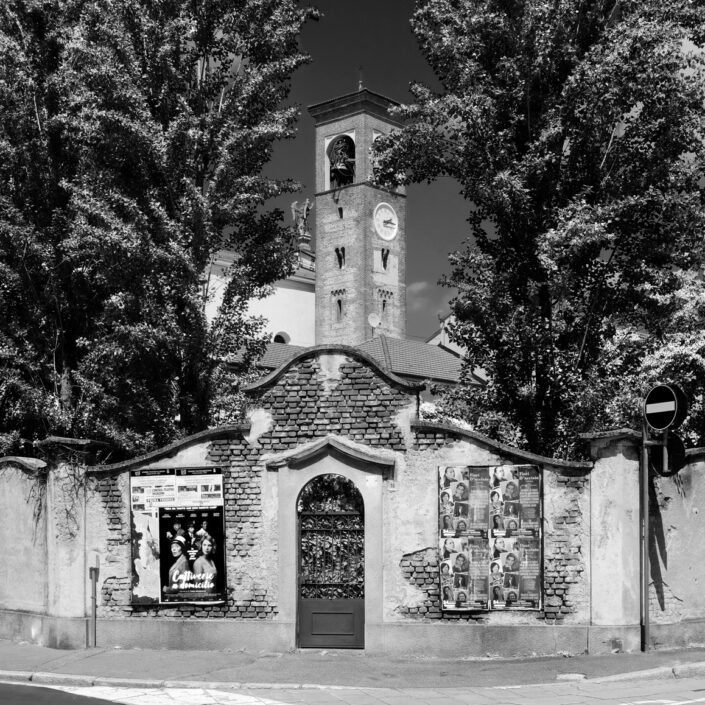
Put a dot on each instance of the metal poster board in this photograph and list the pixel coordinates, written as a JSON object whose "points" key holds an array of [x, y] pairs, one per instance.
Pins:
{"points": [[490, 537], [177, 535]]}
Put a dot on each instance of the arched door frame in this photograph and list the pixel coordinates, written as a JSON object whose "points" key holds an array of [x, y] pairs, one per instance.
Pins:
{"points": [[367, 470]]}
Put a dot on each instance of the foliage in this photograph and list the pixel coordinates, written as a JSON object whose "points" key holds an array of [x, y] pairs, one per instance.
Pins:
{"points": [[132, 143], [575, 129]]}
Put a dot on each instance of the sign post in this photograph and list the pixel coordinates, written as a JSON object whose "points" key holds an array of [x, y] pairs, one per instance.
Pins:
{"points": [[665, 406]]}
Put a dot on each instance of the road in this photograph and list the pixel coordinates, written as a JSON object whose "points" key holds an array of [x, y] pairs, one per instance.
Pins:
{"points": [[687, 691]]}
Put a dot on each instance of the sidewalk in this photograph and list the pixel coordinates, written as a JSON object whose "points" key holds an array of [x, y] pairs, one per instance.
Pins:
{"points": [[240, 669]]}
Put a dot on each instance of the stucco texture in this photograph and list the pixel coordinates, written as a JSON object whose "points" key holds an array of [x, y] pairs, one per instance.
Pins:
{"points": [[23, 540]]}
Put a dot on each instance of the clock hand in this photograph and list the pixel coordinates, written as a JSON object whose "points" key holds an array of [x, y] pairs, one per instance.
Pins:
{"points": [[389, 222]]}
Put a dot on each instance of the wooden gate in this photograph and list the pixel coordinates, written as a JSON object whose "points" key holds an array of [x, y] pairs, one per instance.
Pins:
{"points": [[331, 609]]}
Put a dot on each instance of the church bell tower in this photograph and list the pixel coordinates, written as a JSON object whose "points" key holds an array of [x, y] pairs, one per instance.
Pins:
{"points": [[360, 228]]}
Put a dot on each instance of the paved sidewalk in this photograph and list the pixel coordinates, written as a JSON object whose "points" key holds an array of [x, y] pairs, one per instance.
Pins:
{"points": [[304, 669], [649, 692]]}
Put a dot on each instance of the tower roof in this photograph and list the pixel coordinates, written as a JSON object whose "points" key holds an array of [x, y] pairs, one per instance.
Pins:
{"points": [[362, 101]]}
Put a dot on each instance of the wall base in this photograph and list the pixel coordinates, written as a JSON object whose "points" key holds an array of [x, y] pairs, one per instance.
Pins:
{"points": [[440, 640], [44, 630]]}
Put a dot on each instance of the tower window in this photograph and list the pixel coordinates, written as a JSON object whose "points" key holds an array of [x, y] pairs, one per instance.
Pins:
{"points": [[339, 310], [341, 155], [340, 254], [385, 257], [340, 212]]}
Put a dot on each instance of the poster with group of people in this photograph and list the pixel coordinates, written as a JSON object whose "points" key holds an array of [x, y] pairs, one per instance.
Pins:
{"points": [[490, 537], [177, 535]]}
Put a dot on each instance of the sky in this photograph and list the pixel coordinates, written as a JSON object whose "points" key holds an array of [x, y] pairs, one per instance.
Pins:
{"points": [[375, 35]]}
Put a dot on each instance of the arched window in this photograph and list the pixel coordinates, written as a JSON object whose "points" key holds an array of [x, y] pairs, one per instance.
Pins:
{"points": [[341, 155], [282, 337]]}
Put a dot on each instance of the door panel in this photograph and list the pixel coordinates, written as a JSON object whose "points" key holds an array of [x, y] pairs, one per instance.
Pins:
{"points": [[336, 624], [331, 584]]}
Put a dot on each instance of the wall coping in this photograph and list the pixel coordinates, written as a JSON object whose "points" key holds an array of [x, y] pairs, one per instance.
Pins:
{"points": [[30, 464], [612, 434], [207, 435], [502, 447], [351, 449], [317, 350]]}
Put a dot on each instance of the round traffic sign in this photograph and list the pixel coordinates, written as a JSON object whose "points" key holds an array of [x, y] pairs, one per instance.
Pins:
{"points": [[665, 406]]}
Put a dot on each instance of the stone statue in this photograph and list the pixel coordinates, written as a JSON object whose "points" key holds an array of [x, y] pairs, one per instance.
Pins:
{"points": [[300, 215]]}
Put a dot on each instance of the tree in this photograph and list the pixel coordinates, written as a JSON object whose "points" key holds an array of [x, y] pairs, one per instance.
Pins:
{"points": [[575, 129], [133, 138]]}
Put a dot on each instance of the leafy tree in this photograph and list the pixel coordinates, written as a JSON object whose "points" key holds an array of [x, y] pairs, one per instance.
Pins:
{"points": [[575, 129], [132, 141]]}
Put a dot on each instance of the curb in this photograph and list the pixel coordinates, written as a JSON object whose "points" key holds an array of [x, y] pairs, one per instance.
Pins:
{"points": [[82, 681], [688, 670]]}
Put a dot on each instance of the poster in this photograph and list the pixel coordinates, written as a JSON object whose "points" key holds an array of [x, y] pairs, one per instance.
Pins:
{"points": [[490, 537], [177, 535]]}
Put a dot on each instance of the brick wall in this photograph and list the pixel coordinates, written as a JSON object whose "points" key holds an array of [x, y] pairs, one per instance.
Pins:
{"points": [[316, 396], [332, 394]]}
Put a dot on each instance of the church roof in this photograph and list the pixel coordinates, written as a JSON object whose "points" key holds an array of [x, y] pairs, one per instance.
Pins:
{"points": [[413, 358], [404, 358]]}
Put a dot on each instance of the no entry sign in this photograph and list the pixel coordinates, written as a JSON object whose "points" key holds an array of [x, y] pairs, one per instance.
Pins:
{"points": [[665, 406]]}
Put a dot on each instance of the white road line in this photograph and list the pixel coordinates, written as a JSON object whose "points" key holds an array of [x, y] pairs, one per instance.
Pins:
{"points": [[664, 702]]}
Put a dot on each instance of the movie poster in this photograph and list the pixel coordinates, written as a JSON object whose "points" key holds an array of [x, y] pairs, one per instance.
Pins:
{"points": [[490, 541], [177, 535]]}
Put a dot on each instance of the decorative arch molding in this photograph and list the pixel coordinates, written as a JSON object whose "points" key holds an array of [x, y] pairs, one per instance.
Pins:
{"points": [[344, 448], [318, 350]]}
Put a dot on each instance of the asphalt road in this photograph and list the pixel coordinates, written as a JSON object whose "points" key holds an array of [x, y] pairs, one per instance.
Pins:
{"points": [[29, 695]]}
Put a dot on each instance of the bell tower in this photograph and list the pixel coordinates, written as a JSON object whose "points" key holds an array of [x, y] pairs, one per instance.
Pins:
{"points": [[360, 228]]}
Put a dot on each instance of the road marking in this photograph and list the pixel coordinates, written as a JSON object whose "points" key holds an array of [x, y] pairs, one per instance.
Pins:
{"points": [[664, 702]]}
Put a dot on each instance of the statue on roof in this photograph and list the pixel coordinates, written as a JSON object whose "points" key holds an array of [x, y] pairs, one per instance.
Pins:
{"points": [[300, 215]]}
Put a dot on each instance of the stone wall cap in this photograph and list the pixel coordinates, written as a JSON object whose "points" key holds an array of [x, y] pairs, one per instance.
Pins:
{"points": [[613, 433], [80, 443], [31, 464], [317, 350], [695, 453], [502, 447], [207, 435], [350, 448]]}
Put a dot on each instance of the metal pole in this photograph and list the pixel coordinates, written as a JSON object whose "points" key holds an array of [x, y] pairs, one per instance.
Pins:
{"points": [[644, 538], [93, 572]]}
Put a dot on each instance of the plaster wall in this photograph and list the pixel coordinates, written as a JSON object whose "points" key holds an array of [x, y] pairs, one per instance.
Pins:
{"points": [[614, 496], [290, 309], [65, 567], [411, 537], [23, 540], [677, 554]]}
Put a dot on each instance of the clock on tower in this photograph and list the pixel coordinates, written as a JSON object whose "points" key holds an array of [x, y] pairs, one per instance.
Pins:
{"points": [[360, 240]]}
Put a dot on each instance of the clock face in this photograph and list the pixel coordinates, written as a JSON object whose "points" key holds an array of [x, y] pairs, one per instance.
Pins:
{"points": [[386, 221]]}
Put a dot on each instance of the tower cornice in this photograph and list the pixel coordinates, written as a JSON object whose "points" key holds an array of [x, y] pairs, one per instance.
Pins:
{"points": [[363, 101]]}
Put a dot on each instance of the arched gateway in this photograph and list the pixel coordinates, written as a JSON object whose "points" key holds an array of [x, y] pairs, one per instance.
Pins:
{"points": [[331, 565]]}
